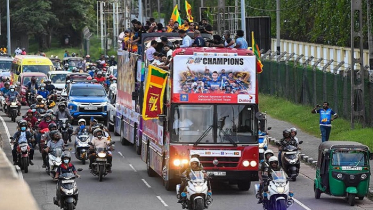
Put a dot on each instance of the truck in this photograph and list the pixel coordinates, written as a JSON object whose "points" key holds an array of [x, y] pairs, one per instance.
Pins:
{"points": [[210, 104]]}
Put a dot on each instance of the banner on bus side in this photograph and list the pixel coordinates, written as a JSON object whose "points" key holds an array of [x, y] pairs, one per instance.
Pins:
{"points": [[214, 79]]}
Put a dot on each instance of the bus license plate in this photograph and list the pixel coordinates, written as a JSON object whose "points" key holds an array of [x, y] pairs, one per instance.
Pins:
{"points": [[218, 173], [90, 108]]}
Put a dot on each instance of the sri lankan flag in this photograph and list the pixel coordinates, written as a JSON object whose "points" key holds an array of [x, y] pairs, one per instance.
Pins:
{"points": [[188, 9], [176, 16], [154, 90], [259, 65]]}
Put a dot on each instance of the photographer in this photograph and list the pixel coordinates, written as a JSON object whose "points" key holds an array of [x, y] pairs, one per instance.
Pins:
{"points": [[204, 27]]}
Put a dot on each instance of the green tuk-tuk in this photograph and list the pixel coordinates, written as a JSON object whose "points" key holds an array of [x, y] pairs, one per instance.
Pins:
{"points": [[73, 62], [343, 170]]}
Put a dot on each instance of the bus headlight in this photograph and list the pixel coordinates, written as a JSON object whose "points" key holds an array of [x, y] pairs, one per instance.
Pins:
{"points": [[253, 163], [177, 162], [246, 163]]}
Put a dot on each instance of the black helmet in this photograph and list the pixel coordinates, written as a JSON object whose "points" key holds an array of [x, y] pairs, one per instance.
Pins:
{"points": [[22, 123], [47, 81], [52, 133], [65, 155], [61, 105], [47, 115], [286, 133], [52, 125]]}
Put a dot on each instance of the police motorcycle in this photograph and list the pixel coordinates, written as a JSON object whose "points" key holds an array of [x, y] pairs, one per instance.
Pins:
{"points": [[65, 128], [81, 145], [100, 166], [54, 160], [278, 196], [290, 160]]}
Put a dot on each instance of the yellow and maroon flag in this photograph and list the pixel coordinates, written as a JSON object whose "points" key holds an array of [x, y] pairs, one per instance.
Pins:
{"points": [[259, 65], [154, 90], [188, 9]]}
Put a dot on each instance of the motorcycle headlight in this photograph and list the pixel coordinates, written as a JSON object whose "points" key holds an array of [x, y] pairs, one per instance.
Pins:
{"points": [[280, 190], [101, 155], [339, 176], [24, 148], [198, 188], [261, 145]]}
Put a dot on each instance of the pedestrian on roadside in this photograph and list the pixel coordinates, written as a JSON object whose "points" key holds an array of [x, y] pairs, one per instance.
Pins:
{"points": [[327, 115]]}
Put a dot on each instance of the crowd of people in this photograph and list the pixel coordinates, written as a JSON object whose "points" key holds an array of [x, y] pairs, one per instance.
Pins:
{"points": [[159, 53]]}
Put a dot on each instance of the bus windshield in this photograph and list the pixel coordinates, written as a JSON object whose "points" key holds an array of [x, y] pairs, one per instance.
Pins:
{"points": [[37, 68], [214, 124]]}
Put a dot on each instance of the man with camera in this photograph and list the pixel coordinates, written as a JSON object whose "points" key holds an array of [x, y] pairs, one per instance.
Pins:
{"points": [[204, 27], [327, 115]]}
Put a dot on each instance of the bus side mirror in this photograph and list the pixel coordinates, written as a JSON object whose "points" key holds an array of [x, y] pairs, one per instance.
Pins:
{"points": [[162, 118]]}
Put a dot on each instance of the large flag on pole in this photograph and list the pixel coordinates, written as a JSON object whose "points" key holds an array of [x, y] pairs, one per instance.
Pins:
{"points": [[175, 15], [259, 65], [154, 89], [188, 9]]}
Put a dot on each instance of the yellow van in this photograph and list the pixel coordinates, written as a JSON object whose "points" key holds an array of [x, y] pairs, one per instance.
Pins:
{"points": [[30, 63]]}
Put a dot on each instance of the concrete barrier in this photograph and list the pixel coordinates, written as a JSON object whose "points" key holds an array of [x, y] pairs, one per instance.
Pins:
{"points": [[15, 193]]}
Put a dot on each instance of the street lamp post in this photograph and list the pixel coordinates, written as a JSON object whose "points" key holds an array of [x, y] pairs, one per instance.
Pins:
{"points": [[8, 27]]}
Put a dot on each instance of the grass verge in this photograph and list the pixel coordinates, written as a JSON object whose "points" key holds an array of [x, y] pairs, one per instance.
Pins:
{"points": [[301, 116]]}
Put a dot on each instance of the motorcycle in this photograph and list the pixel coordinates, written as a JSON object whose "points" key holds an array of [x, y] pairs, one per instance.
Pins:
{"points": [[100, 166], [197, 196], [278, 196], [81, 146], [31, 98], [40, 109], [54, 160], [23, 151], [290, 161], [65, 129], [68, 192], [13, 108]]}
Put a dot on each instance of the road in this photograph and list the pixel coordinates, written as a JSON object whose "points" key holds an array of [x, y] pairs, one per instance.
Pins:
{"points": [[129, 187]]}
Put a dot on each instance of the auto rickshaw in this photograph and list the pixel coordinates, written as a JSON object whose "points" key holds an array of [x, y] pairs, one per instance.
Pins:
{"points": [[343, 170], [73, 62], [56, 63]]}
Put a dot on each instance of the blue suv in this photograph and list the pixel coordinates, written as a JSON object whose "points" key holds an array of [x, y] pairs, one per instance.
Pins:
{"points": [[87, 100]]}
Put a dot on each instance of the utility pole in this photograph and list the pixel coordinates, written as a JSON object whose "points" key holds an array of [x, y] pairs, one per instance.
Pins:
{"points": [[370, 38], [243, 16], [221, 16], [102, 23], [8, 48], [174, 1], [140, 11], [159, 11], [278, 26]]}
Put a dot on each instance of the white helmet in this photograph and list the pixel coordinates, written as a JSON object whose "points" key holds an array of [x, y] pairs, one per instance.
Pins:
{"points": [[273, 159], [39, 96], [81, 120], [194, 160], [268, 151]]}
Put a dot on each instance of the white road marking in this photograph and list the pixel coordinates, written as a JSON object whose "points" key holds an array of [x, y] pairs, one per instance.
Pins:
{"points": [[143, 180], [133, 168], [162, 201], [301, 204], [14, 172], [121, 154], [5, 127]]}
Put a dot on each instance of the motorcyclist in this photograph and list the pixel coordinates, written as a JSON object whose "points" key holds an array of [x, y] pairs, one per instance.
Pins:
{"points": [[43, 91], [262, 168], [46, 121], [112, 61], [30, 118], [294, 134], [65, 167], [3, 81], [49, 86], [81, 126], [99, 77], [40, 104], [32, 87], [63, 112], [66, 66], [194, 165], [286, 140], [4, 90], [272, 166], [99, 141], [55, 142], [12, 93], [22, 135], [94, 125]]}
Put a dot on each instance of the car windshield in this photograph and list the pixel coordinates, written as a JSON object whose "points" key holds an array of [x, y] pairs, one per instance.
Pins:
{"points": [[36, 68], [349, 158], [209, 124], [75, 63], [87, 91], [5, 65], [58, 78], [39, 80]]}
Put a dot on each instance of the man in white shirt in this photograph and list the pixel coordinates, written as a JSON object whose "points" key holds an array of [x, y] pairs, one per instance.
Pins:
{"points": [[151, 50], [187, 41]]}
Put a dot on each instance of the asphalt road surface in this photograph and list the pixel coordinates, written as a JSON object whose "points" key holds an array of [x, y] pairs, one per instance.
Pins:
{"points": [[129, 187]]}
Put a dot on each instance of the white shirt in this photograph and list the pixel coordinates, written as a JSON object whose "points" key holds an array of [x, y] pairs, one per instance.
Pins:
{"points": [[22, 137], [149, 53], [187, 41], [157, 62], [169, 53]]}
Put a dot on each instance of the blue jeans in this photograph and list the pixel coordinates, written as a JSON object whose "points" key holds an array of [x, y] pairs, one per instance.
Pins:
{"points": [[325, 132]]}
